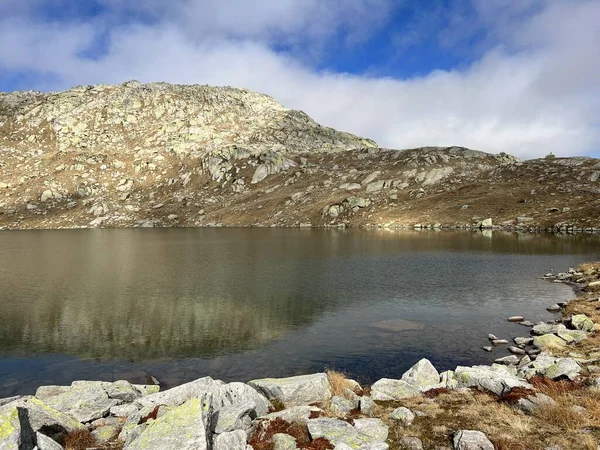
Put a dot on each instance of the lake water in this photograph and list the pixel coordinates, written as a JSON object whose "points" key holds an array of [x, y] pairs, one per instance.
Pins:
{"points": [[239, 304]]}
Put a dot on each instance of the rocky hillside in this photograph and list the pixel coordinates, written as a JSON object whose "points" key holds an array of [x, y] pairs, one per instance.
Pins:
{"points": [[166, 155]]}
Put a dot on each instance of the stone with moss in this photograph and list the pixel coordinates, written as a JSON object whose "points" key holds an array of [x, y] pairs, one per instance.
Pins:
{"points": [[549, 342], [283, 441], [84, 402], [12, 434], [495, 378], [231, 418], [42, 416], [582, 322], [184, 428], [423, 375]]}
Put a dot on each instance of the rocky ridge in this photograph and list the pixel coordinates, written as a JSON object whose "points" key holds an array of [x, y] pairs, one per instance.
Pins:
{"points": [[545, 400], [161, 155]]}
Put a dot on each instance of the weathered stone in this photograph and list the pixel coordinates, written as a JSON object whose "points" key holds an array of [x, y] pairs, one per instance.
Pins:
{"points": [[341, 406], [422, 376], [471, 440], [284, 442], [106, 433], [496, 379], [523, 341], [508, 360], [554, 308], [375, 186], [231, 418], [374, 428], [546, 328], [582, 322], [40, 416], [339, 432], [83, 401], [410, 443], [516, 319], [295, 391], [388, 389], [403, 415], [123, 410], [46, 443], [549, 342], [530, 404], [185, 428], [563, 368], [15, 434], [233, 440], [180, 394], [367, 406], [516, 350], [572, 336], [232, 394]]}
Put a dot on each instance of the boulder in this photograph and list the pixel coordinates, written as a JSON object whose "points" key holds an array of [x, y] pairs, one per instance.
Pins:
{"points": [[367, 406], [295, 391], [563, 368], [231, 418], [523, 341], [374, 428], [83, 401], [14, 430], [40, 416], [184, 428], [471, 440], [423, 376], [410, 443], [339, 433], [239, 394], [547, 328], [529, 404], [387, 389], [582, 322], [284, 442], [341, 406], [549, 342], [495, 378], [572, 336], [181, 394], [46, 443], [232, 440], [403, 415]]}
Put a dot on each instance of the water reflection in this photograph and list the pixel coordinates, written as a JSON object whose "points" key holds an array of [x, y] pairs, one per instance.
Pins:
{"points": [[309, 298]]}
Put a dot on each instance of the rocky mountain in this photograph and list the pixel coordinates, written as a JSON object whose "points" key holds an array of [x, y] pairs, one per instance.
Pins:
{"points": [[160, 155]]}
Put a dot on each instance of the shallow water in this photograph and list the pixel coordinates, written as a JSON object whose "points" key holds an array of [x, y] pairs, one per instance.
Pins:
{"points": [[238, 304]]}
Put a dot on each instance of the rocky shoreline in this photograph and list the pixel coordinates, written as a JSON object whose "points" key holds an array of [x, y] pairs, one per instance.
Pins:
{"points": [[545, 395]]}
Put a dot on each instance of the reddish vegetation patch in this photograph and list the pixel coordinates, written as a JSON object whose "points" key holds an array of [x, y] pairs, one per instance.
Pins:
{"points": [[555, 388], [515, 395], [262, 439], [433, 393], [153, 415], [316, 414]]}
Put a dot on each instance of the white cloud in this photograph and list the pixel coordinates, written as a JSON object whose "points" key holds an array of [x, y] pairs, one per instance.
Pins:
{"points": [[534, 92]]}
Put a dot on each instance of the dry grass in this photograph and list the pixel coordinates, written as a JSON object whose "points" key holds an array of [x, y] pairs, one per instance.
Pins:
{"points": [[508, 427], [340, 383], [262, 439], [79, 440]]}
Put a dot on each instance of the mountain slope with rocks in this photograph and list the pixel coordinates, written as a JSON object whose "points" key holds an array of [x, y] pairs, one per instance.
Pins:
{"points": [[160, 155]]}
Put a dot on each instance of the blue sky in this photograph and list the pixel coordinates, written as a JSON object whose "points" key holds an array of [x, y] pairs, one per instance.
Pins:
{"points": [[496, 75]]}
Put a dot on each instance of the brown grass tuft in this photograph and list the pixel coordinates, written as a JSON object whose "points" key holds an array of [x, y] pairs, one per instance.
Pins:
{"points": [[339, 383], [79, 440], [555, 389], [433, 393]]}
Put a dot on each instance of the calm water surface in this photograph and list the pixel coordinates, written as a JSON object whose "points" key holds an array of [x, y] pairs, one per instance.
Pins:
{"points": [[238, 304]]}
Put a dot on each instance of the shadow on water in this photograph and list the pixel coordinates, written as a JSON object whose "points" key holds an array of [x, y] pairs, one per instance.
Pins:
{"points": [[239, 303]]}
